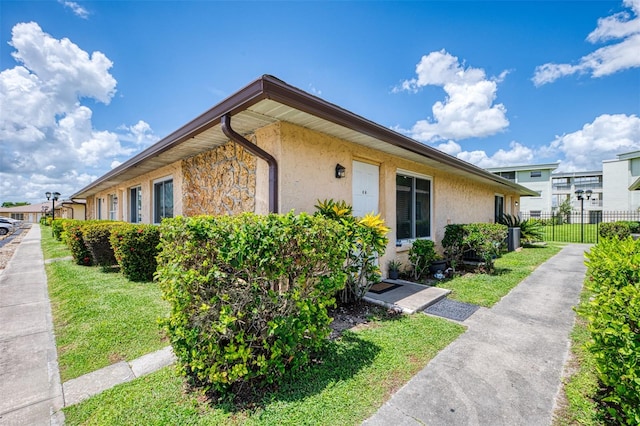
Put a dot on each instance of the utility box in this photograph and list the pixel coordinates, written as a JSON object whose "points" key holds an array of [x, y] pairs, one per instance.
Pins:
{"points": [[513, 239]]}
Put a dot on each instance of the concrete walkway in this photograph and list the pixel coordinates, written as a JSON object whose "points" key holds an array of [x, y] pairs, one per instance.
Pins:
{"points": [[506, 369], [30, 389]]}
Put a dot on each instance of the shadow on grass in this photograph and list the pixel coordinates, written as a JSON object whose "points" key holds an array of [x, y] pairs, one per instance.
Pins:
{"points": [[500, 271], [338, 361]]}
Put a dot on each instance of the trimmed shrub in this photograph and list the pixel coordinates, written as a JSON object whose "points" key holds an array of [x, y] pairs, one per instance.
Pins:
{"points": [[248, 294], [619, 230], [484, 240], [613, 316], [135, 247], [57, 228], [96, 237], [73, 238]]}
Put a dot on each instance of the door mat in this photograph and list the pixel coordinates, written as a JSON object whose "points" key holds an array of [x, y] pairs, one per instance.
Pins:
{"points": [[452, 309], [383, 287]]}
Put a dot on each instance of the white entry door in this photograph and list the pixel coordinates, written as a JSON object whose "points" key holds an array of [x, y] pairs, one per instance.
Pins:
{"points": [[365, 188]]}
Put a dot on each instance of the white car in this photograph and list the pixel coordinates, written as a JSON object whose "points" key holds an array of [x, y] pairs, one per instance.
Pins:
{"points": [[5, 228]]}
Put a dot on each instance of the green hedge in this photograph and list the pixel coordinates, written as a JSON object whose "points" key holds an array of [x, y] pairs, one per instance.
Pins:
{"points": [[248, 294], [620, 230], [135, 247], [57, 228], [485, 240], [613, 316], [72, 236], [96, 236]]}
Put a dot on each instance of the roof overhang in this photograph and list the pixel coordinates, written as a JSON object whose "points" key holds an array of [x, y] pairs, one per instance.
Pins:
{"points": [[635, 186], [269, 100]]}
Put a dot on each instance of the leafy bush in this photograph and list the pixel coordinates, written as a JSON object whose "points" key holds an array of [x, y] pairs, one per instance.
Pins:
{"points": [[248, 294], [96, 236], [421, 254], [57, 229], [73, 238], [135, 247], [634, 227], [485, 240], [613, 316], [619, 230], [367, 243]]}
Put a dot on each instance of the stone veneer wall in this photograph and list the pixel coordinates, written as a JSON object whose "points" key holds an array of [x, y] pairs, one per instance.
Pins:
{"points": [[220, 181]]}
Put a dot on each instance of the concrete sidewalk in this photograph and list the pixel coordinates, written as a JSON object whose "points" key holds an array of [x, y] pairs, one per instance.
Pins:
{"points": [[506, 369], [30, 389]]}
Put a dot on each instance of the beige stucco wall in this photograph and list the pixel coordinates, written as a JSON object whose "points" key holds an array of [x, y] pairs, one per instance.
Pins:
{"points": [[307, 161], [145, 181]]}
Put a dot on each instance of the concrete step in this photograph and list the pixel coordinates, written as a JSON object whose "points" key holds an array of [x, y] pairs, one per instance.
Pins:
{"points": [[409, 297]]}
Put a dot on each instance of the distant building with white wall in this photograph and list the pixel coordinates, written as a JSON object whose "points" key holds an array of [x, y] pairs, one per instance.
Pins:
{"points": [[536, 177], [614, 189], [622, 182]]}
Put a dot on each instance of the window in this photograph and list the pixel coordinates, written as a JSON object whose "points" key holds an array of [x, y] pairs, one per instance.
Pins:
{"points": [[113, 206], [536, 173], [135, 204], [413, 207], [535, 214], [508, 175], [99, 209], [162, 200], [499, 207], [17, 216]]}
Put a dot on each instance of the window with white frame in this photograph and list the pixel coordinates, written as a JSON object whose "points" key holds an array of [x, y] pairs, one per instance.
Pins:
{"points": [[162, 199], [135, 204], [413, 207], [113, 206]]}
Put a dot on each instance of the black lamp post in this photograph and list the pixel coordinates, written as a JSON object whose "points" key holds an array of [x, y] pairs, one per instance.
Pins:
{"points": [[580, 194], [53, 197]]}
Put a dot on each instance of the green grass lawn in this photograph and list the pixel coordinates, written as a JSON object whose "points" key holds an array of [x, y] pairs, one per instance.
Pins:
{"points": [[99, 318], [357, 374], [571, 233], [486, 290]]}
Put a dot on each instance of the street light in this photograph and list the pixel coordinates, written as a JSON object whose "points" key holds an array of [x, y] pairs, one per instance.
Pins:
{"points": [[53, 197], [581, 194]]}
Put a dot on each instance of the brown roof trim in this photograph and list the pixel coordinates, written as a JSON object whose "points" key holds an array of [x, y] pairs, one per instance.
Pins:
{"points": [[270, 87]]}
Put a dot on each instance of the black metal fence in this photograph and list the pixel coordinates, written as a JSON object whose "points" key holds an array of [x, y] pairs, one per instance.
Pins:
{"points": [[577, 227]]}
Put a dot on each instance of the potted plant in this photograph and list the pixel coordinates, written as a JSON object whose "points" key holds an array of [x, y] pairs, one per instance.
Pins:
{"points": [[394, 269], [437, 264]]}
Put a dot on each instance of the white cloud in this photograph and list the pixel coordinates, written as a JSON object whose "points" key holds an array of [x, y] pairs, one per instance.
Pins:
{"points": [[140, 133], [75, 8], [623, 26], [518, 154], [602, 139], [47, 135], [468, 110]]}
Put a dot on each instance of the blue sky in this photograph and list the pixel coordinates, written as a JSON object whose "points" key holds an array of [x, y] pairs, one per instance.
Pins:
{"points": [[86, 85]]}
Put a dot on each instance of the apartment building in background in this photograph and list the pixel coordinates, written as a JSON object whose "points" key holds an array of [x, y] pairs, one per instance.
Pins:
{"points": [[614, 188]]}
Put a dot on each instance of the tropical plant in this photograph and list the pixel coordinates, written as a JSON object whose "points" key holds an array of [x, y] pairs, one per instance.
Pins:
{"points": [[530, 229], [368, 241]]}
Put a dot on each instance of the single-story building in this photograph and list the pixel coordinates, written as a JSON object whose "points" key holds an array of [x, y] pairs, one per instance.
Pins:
{"points": [[32, 213], [271, 147]]}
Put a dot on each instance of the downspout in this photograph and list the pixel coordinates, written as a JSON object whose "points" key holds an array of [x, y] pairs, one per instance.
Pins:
{"points": [[225, 122]]}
